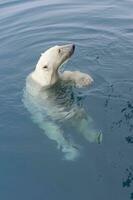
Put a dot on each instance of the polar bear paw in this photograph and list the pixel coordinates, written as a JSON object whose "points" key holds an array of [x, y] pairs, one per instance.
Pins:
{"points": [[71, 153], [83, 80]]}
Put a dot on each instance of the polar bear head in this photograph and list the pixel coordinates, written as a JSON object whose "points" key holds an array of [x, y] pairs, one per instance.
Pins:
{"points": [[46, 71]]}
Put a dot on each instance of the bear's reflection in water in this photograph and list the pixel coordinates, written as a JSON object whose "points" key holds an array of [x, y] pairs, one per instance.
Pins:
{"points": [[52, 107]]}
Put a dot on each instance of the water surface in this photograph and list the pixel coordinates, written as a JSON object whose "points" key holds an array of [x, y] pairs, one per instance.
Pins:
{"points": [[31, 167]]}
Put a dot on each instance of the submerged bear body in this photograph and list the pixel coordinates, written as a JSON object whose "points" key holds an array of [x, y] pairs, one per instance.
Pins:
{"points": [[55, 101]]}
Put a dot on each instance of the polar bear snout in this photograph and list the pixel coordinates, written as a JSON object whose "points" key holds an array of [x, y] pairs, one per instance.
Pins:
{"points": [[71, 47], [68, 49]]}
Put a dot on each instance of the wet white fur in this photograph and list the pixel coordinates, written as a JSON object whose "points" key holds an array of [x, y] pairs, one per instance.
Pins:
{"points": [[42, 99], [53, 59]]}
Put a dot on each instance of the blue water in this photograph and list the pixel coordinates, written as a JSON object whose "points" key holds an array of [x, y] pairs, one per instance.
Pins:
{"points": [[31, 167]]}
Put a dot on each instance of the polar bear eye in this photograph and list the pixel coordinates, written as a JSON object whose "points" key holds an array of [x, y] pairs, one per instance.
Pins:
{"points": [[59, 50], [45, 67]]}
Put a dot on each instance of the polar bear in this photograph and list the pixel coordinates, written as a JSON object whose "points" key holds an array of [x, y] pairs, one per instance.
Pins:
{"points": [[52, 100]]}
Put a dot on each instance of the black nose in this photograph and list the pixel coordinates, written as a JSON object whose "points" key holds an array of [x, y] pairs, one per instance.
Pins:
{"points": [[73, 46]]}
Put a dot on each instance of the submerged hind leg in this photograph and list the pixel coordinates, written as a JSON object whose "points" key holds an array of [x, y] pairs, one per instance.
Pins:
{"points": [[85, 125], [55, 133], [88, 130]]}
